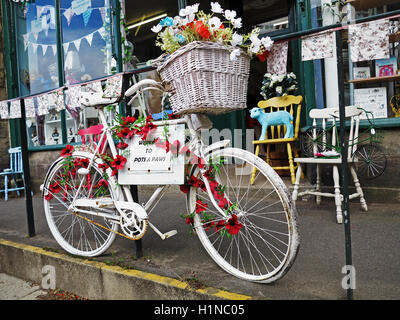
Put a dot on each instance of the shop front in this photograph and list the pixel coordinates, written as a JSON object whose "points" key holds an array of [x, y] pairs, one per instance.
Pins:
{"points": [[51, 44]]}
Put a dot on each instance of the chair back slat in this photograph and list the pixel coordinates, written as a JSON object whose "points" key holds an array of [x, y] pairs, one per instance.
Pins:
{"points": [[15, 159], [329, 118]]}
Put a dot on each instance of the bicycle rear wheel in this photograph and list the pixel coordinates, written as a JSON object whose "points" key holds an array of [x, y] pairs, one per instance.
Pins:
{"points": [[257, 238], [78, 233], [308, 140], [369, 161]]}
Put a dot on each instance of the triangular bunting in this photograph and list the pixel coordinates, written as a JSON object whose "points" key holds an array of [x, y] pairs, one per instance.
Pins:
{"points": [[68, 14], [4, 110], [89, 39], [54, 47], [29, 108], [102, 32], [34, 47], [102, 14], [15, 109], [77, 44], [86, 16], [44, 49], [66, 46]]}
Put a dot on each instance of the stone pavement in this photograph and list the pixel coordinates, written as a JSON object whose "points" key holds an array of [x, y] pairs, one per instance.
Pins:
{"points": [[179, 267]]}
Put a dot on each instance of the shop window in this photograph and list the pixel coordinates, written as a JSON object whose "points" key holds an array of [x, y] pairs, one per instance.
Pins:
{"points": [[86, 40], [36, 47]]}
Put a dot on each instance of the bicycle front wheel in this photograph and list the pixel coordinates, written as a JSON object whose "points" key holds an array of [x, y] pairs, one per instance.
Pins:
{"points": [[78, 233], [249, 230], [369, 161]]}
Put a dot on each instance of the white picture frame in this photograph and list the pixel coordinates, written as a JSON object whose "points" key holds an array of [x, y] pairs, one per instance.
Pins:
{"points": [[361, 73]]}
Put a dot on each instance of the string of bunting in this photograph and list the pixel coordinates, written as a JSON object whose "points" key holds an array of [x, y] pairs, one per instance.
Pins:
{"points": [[66, 97]]}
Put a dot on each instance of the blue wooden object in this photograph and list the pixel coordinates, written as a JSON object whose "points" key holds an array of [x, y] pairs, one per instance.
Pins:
{"points": [[14, 170], [273, 119]]}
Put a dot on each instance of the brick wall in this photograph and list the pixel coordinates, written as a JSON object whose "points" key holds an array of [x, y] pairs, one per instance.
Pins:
{"points": [[4, 130]]}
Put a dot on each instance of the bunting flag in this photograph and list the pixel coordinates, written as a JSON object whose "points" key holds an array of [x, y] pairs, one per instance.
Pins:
{"points": [[77, 42], [15, 109], [86, 16], [4, 110], [277, 58], [29, 108], [318, 46], [68, 14], [43, 104], [369, 41], [58, 98], [113, 86]]}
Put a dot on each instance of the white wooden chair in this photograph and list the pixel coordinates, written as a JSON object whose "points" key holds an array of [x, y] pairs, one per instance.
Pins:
{"points": [[14, 170], [328, 118]]}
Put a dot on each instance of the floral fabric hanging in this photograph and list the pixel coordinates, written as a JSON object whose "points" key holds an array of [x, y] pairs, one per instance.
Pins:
{"points": [[318, 46], [277, 58], [369, 41]]}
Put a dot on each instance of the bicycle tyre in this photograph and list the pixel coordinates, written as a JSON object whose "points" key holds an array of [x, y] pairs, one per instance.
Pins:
{"points": [[369, 161], [262, 254], [308, 141], [76, 235]]}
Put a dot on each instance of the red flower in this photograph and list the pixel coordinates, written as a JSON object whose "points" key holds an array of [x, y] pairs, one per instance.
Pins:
{"points": [[233, 226], [67, 151], [189, 220], [263, 56], [200, 206], [55, 187], [122, 145], [125, 133], [130, 119], [202, 30], [119, 162], [48, 197], [197, 160], [103, 166], [207, 225], [223, 203], [184, 188], [114, 172], [219, 225], [102, 183]]}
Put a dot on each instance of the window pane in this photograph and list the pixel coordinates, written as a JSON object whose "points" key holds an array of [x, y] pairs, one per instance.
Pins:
{"points": [[86, 39], [36, 46]]}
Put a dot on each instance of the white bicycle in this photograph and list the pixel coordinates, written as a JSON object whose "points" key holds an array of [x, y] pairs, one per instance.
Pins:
{"points": [[252, 235]]}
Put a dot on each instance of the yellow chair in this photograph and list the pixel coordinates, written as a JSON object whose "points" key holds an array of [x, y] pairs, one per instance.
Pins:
{"points": [[275, 133]]}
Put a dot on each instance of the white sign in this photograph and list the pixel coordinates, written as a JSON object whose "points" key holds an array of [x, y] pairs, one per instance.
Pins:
{"points": [[149, 164], [373, 100]]}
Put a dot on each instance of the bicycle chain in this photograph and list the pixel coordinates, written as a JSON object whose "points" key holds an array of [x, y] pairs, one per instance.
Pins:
{"points": [[108, 229]]}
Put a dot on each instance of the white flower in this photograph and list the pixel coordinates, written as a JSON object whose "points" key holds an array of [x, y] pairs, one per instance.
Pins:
{"points": [[230, 14], [267, 43], [234, 54], [214, 23], [178, 21], [157, 28], [255, 45], [189, 10], [184, 12], [216, 7], [237, 23], [279, 89], [237, 39]]}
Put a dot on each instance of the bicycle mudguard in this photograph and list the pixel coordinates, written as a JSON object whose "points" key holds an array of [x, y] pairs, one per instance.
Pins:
{"points": [[216, 145]]}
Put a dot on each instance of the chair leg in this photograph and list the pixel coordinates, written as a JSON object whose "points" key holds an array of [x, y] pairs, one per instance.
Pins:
{"points": [[291, 163], [318, 187], [6, 187], [297, 182], [253, 173], [358, 189], [338, 196], [16, 185]]}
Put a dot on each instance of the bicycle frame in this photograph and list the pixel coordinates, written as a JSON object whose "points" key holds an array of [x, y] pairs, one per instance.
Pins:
{"points": [[124, 193]]}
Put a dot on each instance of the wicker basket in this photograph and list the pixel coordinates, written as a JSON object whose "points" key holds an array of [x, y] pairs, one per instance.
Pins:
{"points": [[202, 78]]}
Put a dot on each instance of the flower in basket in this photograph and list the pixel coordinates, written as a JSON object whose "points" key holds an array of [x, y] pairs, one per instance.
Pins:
{"points": [[278, 85], [220, 26]]}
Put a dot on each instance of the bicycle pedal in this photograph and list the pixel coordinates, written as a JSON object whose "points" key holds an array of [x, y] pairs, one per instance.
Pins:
{"points": [[169, 234]]}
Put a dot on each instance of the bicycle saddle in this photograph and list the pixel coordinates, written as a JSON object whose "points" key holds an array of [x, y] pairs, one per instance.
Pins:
{"points": [[95, 99]]}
